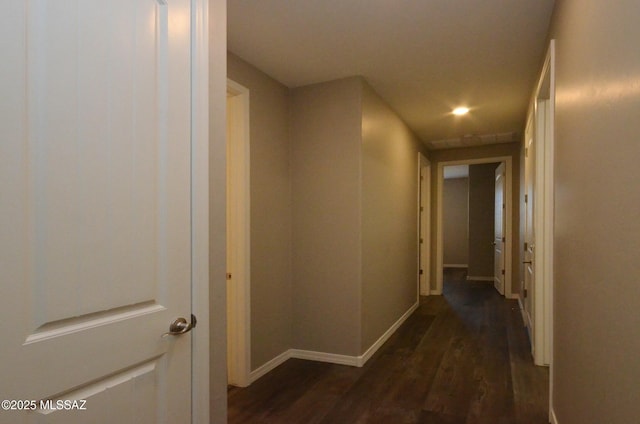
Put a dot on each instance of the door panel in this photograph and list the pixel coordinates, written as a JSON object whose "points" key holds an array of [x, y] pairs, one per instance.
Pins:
{"points": [[499, 229], [96, 220]]}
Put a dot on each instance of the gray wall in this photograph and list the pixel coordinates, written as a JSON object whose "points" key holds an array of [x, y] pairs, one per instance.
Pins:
{"points": [[481, 219], [217, 210], [389, 217], [508, 149], [271, 307], [597, 230], [333, 215], [455, 221], [325, 161], [355, 188]]}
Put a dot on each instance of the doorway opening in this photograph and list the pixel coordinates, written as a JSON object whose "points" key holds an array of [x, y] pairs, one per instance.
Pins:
{"points": [[506, 236], [238, 237]]}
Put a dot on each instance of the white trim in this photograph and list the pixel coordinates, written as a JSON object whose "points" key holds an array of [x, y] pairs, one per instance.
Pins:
{"points": [[362, 359], [552, 416], [332, 358], [200, 347], [525, 317], [550, 210], [424, 225], [508, 160], [456, 266], [238, 148], [270, 365], [543, 213], [474, 278], [514, 296], [544, 104]]}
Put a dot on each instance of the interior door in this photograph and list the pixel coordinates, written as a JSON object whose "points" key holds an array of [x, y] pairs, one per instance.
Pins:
{"points": [[95, 232], [499, 229], [529, 235]]}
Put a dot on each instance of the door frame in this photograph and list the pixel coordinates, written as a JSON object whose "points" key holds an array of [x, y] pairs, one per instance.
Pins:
{"points": [[200, 300], [238, 148], [543, 110], [424, 225], [502, 230], [508, 161]]}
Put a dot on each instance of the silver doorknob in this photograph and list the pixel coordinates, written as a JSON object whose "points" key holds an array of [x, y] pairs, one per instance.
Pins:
{"points": [[181, 326]]}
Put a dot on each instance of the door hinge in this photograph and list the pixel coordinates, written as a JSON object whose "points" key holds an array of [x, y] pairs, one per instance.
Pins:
{"points": [[504, 239], [526, 151], [421, 272], [504, 205], [421, 208], [526, 246], [503, 272], [228, 276], [524, 293], [421, 240], [526, 198]]}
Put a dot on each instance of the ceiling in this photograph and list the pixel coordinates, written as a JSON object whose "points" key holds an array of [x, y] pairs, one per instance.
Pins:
{"points": [[424, 57]]}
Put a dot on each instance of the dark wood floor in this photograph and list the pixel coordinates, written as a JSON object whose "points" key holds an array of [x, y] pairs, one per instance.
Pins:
{"points": [[460, 358]]}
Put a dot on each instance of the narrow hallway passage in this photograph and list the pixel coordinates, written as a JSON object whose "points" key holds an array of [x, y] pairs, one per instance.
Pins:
{"points": [[463, 357]]}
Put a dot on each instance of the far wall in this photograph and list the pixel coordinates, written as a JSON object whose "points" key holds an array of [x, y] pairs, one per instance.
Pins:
{"points": [[455, 222]]}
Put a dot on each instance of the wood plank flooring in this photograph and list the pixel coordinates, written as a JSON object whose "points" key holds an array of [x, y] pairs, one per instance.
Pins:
{"points": [[463, 357]]}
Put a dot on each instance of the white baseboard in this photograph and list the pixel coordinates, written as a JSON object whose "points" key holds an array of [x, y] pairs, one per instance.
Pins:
{"points": [[272, 364], [525, 317], [333, 358], [455, 266], [514, 296], [552, 417], [470, 277], [522, 312], [362, 359]]}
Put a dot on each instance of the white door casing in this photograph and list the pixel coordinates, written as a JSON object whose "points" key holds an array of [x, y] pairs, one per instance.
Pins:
{"points": [[95, 170], [424, 225], [508, 161], [238, 236], [499, 229], [542, 163], [529, 241]]}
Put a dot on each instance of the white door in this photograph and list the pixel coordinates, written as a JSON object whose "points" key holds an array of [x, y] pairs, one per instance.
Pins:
{"points": [[529, 236], [95, 209], [499, 229]]}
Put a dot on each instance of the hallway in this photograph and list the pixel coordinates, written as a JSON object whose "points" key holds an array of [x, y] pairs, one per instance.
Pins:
{"points": [[460, 358]]}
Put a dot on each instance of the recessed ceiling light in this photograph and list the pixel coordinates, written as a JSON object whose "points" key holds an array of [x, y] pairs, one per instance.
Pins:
{"points": [[460, 110]]}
